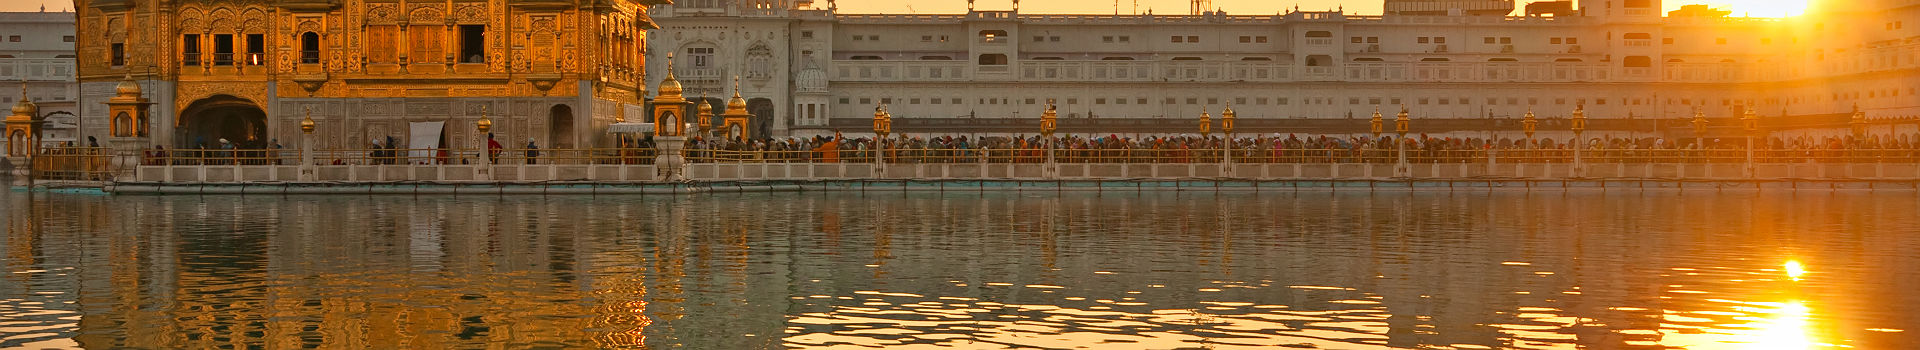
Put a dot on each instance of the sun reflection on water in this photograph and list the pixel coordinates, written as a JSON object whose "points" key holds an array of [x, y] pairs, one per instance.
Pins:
{"points": [[1794, 270]]}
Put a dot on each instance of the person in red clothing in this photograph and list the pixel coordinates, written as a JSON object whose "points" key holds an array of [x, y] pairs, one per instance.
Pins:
{"points": [[493, 150]]}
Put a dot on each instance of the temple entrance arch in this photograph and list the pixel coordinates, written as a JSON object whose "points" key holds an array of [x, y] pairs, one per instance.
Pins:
{"points": [[762, 121], [205, 121]]}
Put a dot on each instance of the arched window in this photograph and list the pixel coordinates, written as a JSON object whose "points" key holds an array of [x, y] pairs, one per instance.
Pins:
{"points": [[309, 48], [993, 59]]}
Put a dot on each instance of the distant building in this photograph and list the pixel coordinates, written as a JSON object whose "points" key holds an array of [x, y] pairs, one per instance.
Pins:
{"points": [[1448, 7], [813, 71], [36, 49]]}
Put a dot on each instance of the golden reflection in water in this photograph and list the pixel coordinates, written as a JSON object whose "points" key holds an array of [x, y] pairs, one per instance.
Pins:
{"points": [[1109, 272], [1787, 329]]}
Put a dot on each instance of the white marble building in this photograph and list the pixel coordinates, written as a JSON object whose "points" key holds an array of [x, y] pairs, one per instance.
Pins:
{"points": [[1633, 67], [36, 49]]}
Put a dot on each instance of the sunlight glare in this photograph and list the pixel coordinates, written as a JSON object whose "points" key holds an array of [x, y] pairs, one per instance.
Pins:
{"points": [[1787, 329], [1759, 8], [1794, 270]]}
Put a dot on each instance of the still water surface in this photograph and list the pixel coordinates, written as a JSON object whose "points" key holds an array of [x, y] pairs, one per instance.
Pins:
{"points": [[1699, 270]]}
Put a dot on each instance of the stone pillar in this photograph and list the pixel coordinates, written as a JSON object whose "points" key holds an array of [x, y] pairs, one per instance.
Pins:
{"points": [[308, 171], [127, 153], [1052, 169], [670, 163], [1579, 165]]}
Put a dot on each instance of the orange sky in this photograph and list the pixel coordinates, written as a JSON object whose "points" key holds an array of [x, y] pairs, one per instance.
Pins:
{"points": [[1758, 8]]}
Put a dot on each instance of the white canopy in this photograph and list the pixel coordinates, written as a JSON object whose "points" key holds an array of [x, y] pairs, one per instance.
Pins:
{"points": [[423, 137], [630, 128]]}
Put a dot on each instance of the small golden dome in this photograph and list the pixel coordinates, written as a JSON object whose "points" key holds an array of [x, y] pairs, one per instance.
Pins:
{"points": [[26, 108], [670, 88], [736, 103], [127, 88], [704, 107]]}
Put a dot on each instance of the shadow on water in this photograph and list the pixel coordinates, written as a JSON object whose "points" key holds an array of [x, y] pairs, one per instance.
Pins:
{"points": [[1651, 270]]}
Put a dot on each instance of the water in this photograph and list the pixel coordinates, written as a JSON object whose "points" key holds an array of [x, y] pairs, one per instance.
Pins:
{"points": [[1696, 269]]}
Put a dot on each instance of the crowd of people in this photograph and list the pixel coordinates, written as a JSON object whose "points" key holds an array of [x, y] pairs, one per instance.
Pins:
{"points": [[1286, 149], [1264, 148]]}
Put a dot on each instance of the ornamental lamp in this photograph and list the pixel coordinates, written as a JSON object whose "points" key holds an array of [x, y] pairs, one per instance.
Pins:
{"points": [[882, 121], [1377, 123], [1579, 117], [1699, 123], [1401, 122], [1750, 121], [1047, 121], [1529, 124], [1859, 123], [1226, 120], [485, 124], [306, 125], [1206, 122]]}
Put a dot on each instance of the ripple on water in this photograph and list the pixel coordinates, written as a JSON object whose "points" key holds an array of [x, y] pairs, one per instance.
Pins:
{"points": [[1109, 271]]}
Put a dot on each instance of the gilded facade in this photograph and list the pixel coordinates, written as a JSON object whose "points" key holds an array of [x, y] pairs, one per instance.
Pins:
{"points": [[553, 71]]}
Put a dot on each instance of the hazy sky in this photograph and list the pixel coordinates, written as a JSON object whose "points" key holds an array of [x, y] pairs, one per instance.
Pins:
{"points": [[1757, 8]]}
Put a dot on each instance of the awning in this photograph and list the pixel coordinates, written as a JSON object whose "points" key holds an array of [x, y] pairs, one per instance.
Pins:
{"points": [[630, 128]]}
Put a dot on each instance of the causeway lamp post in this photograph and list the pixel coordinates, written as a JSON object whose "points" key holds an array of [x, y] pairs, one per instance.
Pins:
{"points": [[1859, 124], [1226, 128], [1206, 123], [1376, 125], [1048, 124], [1700, 135], [882, 125], [1529, 124], [1579, 142], [306, 147], [1400, 126], [485, 126], [1699, 129], [1751, 122]]}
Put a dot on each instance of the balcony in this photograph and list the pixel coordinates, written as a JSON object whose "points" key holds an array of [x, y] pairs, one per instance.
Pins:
{"points": [[37, 69]]}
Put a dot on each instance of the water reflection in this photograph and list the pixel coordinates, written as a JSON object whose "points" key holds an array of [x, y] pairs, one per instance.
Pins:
{"points": [[1311, 270]]}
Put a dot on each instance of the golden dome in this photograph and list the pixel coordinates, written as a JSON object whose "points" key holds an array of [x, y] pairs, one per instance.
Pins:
{"points": [[26, 108], [670, 88], [1228, 113], [704, 107], [127, 87], [736, 105]]}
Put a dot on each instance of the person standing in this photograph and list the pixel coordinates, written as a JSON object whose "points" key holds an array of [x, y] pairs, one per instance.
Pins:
{"points": [[493, 150], [274, 151], [533, 151]]}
